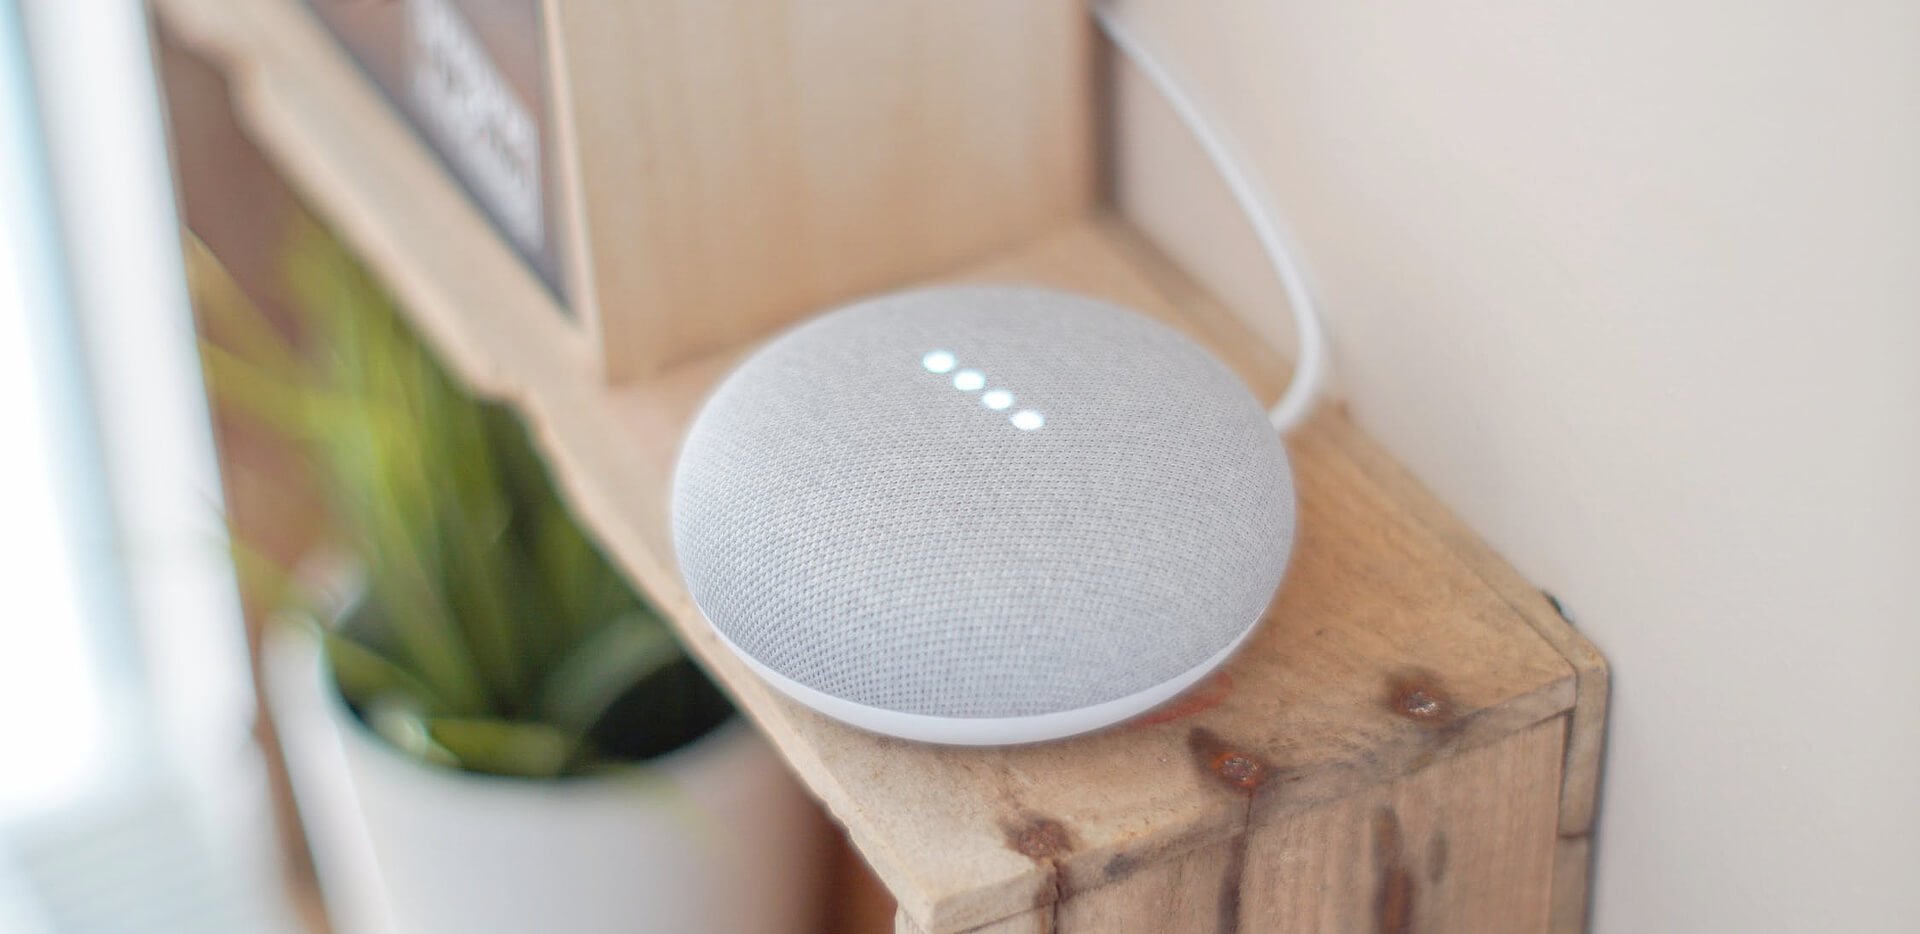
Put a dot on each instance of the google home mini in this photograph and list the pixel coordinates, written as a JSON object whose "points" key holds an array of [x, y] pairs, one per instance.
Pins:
{"points": [[982, 515]]}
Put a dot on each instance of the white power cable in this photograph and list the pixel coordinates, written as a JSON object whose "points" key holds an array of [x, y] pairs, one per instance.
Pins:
{"points": [[1309, 371]]}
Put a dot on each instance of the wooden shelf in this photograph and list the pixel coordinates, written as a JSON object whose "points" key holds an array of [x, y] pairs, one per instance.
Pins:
{"points": [[1407, 688]]}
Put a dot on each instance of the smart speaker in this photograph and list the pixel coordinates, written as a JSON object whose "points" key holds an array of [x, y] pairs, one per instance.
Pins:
{"points": [[982, 515]]}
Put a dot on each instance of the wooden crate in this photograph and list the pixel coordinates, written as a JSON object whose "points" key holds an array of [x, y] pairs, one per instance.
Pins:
{"points": [[688, 173], [1410, 741]]}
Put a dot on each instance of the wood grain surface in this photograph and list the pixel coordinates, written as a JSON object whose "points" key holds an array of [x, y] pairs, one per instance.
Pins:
{"points": [[732, 165]]}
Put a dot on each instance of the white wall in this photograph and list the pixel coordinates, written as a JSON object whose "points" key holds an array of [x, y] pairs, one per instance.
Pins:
{"points": [[1635, 287]]}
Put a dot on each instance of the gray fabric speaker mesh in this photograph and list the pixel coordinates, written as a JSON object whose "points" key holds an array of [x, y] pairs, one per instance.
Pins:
{"points": [[856, 523]]}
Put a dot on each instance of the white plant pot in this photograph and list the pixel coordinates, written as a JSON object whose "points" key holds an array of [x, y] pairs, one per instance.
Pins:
{"points": [[716, 837]]}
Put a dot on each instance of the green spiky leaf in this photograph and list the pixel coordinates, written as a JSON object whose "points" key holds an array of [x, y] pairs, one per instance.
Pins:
{"points": [[603, 667], [529, 750]]}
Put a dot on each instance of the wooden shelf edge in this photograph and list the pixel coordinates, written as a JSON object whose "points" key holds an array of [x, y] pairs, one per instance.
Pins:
{"points": [[504, 335], [1586, 721]]}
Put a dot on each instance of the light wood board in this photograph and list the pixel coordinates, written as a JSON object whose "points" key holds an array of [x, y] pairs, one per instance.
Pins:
{"points": [[731, 165], [1461, 847]]}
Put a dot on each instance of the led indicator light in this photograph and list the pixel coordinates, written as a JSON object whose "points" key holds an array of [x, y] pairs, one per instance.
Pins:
{"points": [[972, 380]]}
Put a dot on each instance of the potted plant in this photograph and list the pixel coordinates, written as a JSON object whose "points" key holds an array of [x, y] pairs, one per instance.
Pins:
{"points": [[487, 729]]}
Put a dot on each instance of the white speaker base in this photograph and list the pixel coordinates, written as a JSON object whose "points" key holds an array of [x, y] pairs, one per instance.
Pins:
{"points": [[987, 731]]}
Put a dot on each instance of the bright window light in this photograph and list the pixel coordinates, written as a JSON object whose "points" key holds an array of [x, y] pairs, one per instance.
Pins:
{"points": [[52, 703]]}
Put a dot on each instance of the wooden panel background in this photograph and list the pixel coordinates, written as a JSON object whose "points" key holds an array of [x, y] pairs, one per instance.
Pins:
{"points": [[1464, 846], [737, 164]]}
